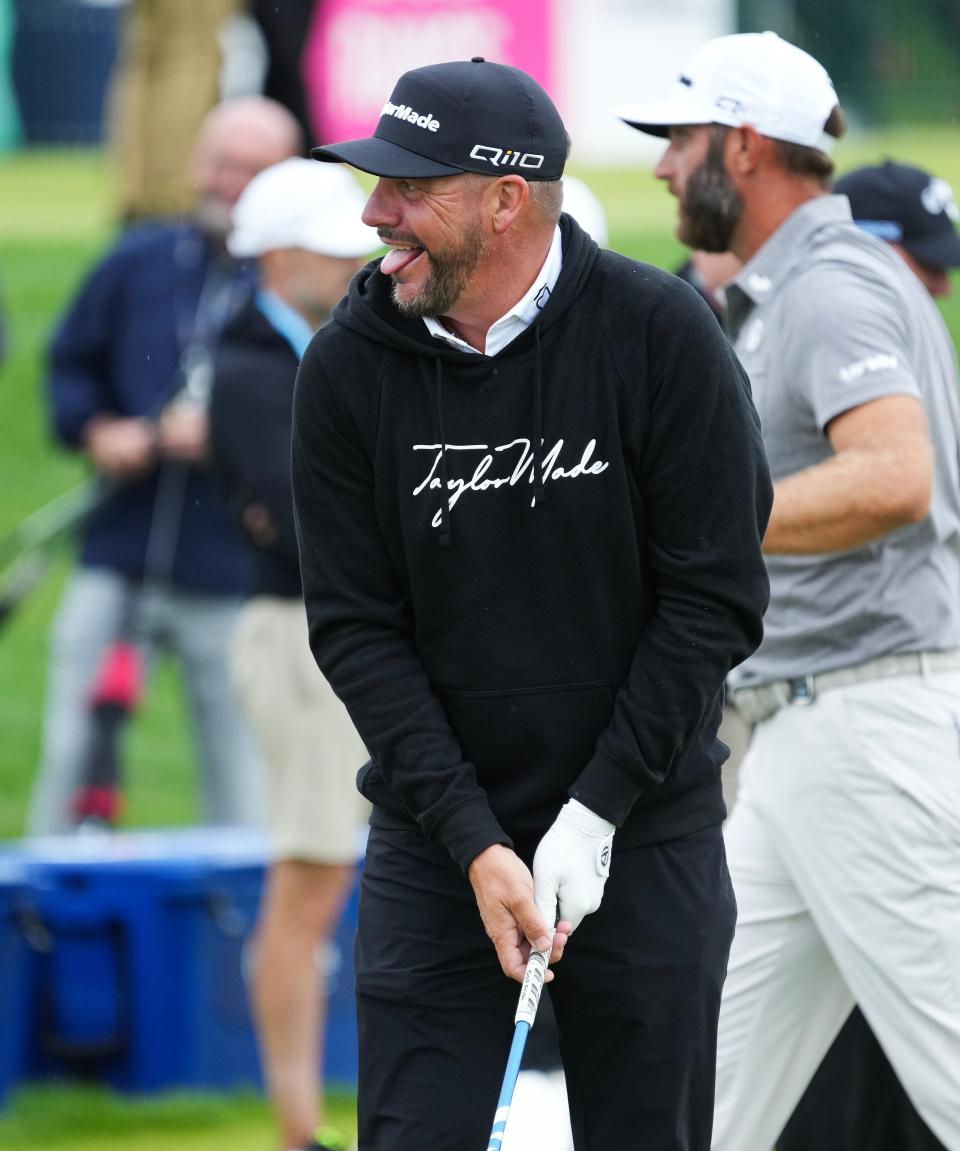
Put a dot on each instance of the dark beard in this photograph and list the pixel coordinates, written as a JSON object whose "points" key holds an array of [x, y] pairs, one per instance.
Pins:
{"points": [[447, 278], [711, 206]]}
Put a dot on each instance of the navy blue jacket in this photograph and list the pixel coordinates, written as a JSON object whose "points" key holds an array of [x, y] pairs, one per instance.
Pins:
{"points": [[117, 352]]}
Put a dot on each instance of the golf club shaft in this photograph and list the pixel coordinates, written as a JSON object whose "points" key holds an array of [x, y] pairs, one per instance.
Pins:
{"points": [[526, 1012]]}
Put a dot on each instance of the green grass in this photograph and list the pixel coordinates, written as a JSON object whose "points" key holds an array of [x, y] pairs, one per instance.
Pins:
{"points": [[89, 1118], [54, 219]]}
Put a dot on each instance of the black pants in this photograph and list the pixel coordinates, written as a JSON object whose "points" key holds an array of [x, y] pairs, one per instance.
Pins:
{"points": [[636, 999], [855, 1102]]}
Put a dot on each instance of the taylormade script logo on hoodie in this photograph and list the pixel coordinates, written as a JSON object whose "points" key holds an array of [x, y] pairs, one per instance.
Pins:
{"points": [[505, 465]]}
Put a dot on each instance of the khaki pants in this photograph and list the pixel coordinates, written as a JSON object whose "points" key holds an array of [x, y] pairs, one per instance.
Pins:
{"points": [[166, 80], [311, 748]]}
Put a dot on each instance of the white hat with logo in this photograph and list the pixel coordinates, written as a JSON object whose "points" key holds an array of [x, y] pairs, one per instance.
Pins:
{"points": [[300, 204], [750, 78]]}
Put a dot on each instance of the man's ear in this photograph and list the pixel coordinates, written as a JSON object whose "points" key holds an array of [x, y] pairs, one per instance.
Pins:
{"points": [[506, 197], [745, 150]]}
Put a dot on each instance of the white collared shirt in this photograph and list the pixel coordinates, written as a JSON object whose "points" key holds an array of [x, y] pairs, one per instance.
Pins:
{"points": [[519, 317]]}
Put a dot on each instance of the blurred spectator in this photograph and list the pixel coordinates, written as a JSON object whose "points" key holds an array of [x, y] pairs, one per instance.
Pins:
{"points": [[709, 272], [285, 27], [128, 379], [916, 214], [855, 1102], [581, 202], [301, 220], [165, 81]]}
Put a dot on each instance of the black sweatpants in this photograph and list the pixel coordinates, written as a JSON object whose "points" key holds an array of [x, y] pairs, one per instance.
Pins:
{"points": [[636, 998]]}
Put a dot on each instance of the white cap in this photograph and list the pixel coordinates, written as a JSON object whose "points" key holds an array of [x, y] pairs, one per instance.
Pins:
{"points": [[581, 203], [302, 204], [752, 78]]}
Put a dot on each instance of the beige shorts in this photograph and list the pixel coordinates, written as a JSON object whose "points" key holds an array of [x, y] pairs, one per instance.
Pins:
{"points": [[311, 748]]}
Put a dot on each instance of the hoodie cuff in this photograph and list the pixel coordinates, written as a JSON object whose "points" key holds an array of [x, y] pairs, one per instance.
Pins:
{"points": [[469, 829], [607, 787]]}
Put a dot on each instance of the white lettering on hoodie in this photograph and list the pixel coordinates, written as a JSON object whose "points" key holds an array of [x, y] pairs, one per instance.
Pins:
{"points": [[504, 474]]}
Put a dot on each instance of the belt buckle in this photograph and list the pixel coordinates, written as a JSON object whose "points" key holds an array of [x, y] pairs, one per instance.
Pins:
{"points": [[803, 691]]}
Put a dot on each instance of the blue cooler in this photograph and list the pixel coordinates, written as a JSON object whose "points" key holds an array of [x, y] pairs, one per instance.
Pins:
{"points": [[139, 950], [138, 957]]}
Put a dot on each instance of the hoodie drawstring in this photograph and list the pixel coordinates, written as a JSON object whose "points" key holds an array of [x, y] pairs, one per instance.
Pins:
{"points": [[539, 479], [445, 540]]}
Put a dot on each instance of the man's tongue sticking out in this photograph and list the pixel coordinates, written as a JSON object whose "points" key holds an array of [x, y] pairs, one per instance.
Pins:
{"points": [[398, 258]]}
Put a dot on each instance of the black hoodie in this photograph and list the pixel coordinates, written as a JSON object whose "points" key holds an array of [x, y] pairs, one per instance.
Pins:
{"points": [[510, 623]]}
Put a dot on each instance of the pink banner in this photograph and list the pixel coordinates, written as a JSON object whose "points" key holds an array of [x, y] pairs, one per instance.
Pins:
{"points": [[357, 49]]}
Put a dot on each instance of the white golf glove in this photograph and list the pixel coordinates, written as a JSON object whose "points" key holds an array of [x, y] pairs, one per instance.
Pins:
{"points": [[572, 863]]}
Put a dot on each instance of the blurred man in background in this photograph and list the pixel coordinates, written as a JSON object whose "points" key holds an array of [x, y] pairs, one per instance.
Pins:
{"points": [[709, 273], [842, 844], [128, 383], [914, 212], [301, 222]]}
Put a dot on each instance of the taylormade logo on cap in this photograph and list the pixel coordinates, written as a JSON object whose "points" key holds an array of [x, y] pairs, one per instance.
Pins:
{"points": [[470, 116], [402, 112]]}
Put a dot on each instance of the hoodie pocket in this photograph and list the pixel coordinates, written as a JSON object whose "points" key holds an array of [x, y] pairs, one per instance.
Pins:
{"points": [[529, 745]]}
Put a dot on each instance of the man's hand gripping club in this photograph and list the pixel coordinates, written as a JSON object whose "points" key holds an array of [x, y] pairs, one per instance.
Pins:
{"points": [[570, 868], [503, 887]]}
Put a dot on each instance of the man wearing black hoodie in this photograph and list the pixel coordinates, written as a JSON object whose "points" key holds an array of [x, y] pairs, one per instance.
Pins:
{"points": [[530, 494]]}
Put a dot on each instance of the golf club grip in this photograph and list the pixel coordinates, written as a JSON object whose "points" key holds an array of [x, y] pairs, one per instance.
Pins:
{"points": [[523, 1019], [531, 987]]}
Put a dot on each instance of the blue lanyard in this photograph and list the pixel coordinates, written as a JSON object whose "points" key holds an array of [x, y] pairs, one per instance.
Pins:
{"points": [[288, 323]]}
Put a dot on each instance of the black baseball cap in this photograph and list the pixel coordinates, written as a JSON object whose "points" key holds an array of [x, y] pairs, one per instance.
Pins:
{"points": [[463, 116], [906, 206]]}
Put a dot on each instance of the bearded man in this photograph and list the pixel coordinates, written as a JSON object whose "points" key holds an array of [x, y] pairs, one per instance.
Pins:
{"points": [[843, 842]]}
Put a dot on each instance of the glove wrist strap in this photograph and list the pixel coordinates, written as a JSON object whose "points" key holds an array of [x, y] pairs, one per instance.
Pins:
{"points": [[575, 816]]}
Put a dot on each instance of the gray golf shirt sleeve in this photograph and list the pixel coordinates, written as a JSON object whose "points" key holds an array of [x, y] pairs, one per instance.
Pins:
{"points": [[847, 343]]}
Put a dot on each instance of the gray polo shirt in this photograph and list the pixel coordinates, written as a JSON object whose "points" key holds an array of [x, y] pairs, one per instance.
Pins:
{"points": [[825, 318]]}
